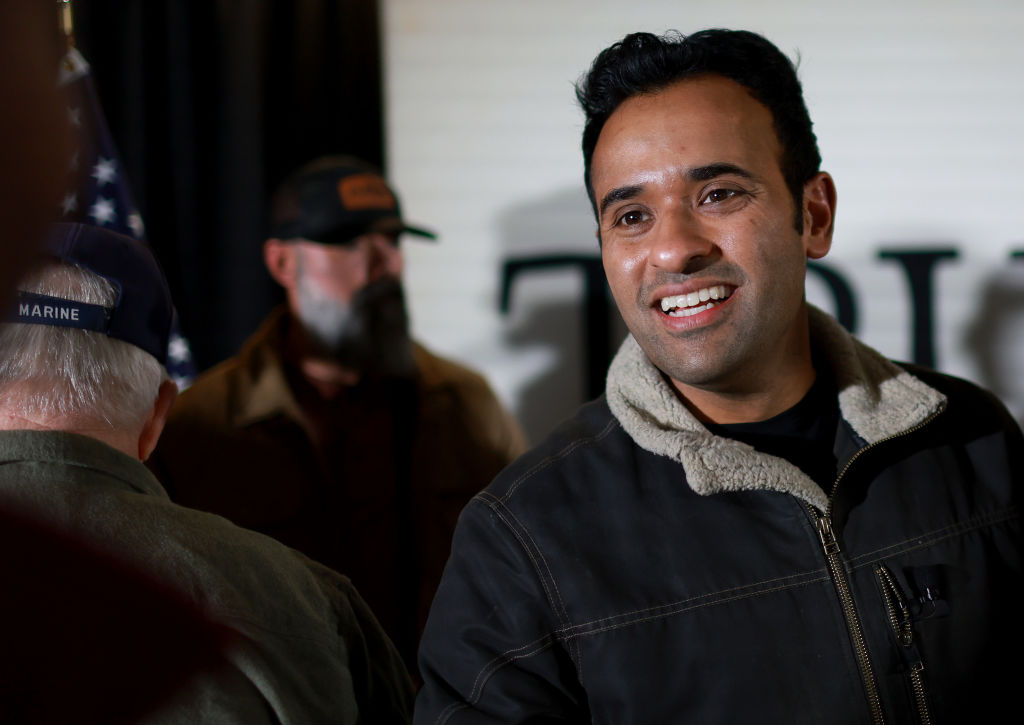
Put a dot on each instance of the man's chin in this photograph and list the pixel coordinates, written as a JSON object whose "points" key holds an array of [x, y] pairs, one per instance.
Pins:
{"points": [[370, 337]]}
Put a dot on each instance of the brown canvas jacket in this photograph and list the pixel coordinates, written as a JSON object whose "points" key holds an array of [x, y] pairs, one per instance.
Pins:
{"points": [[239, 445]]}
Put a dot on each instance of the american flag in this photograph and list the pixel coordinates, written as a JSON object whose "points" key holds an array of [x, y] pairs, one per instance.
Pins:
{"points": [[98, 191]]}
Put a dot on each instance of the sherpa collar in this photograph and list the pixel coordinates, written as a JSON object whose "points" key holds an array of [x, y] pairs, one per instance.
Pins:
{"points": [[877, 398]]}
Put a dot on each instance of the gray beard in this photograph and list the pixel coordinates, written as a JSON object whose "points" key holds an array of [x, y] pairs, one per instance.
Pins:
{"points": [[369, 334]]}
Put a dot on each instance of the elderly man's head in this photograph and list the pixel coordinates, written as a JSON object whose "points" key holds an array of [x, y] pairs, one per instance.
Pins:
{"points": [[85, 345]]}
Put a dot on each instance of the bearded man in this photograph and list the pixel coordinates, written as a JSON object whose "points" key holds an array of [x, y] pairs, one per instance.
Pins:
{"points": [[332, 430]]}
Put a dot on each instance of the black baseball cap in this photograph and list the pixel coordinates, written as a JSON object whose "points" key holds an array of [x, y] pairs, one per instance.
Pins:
{"points": [[143, 311], [333, 200]]}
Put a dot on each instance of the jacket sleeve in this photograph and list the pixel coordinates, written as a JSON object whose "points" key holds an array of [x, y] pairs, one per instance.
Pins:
{"points": [[490, 652]]}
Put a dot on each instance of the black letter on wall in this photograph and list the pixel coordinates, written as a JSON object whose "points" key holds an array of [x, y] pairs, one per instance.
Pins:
{"points": [[918, 265], [596, 321]]}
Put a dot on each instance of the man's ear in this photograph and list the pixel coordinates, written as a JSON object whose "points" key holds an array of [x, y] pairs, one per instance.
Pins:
{"points": [[819, 214], [154, 424], [279, 256]]}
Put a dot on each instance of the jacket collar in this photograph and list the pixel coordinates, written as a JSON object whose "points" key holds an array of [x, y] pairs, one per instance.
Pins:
{"points": [[877, 399], [265, 392], [76, 451]]}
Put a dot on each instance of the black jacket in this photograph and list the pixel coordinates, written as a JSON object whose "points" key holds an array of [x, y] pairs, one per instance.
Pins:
{"points": [[636, 569]]}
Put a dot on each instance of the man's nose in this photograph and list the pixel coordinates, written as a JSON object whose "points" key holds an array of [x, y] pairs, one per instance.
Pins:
{"points": [[384, 256], [680, 242]]}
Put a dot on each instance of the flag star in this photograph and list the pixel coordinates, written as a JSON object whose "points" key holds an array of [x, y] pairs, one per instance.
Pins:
{"points": [[75, 115], [181, 381], [103, 211], [69, 203], [74, 160], [104, 171], [136, 225], [177, 350]]}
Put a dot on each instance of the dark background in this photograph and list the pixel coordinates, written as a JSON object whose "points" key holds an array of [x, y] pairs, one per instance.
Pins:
{"points": [[211, 104]]}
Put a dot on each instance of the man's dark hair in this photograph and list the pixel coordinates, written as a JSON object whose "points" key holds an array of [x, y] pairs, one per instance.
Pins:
{"points": [[646, 63]]}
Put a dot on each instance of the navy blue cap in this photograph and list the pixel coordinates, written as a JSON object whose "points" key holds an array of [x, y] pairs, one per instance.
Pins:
{"points": [[335, 199], [143, 311]]}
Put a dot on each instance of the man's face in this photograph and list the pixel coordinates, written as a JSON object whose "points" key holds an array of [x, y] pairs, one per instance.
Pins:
{"points": [[349, 299], [698, 238]]}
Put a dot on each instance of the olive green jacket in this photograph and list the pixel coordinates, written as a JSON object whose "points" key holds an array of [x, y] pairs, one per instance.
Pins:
{"points": [[307, 649]]}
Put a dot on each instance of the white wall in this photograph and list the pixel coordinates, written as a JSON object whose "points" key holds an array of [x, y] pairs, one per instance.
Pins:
{"points": [[917, 107]]}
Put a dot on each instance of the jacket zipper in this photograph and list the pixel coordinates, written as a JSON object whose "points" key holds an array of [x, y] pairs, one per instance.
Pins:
{"points": [[860, 648], [830, 545], [899, 617]]}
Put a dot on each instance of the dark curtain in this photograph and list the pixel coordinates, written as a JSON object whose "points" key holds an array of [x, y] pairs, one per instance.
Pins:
{"points": [[211, 104]]}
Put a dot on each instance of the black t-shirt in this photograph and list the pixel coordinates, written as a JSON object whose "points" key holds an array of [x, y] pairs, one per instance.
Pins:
{"points": [[804, 435]]}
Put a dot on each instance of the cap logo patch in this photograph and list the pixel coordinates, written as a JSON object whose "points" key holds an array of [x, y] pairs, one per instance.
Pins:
{"points": [[37, 309], [365, 191]]}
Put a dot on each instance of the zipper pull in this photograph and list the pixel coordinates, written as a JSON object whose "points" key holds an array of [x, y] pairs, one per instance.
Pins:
{"points": [[899, 611], [827, 536]]}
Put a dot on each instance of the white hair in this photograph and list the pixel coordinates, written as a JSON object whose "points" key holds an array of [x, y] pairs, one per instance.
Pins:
{"points": [[61, 373]]}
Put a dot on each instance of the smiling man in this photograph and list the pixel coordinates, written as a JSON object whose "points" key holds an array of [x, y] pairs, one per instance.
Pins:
{"points": [[693, 203], [762, 519]]}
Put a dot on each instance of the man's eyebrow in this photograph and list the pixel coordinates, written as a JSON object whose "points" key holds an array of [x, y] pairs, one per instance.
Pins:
{"points": [[698, 173], [712, 171], [622, 193]]}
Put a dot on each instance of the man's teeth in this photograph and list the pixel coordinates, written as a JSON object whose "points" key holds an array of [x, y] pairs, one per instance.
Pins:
{"points": [[694, 302]]}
